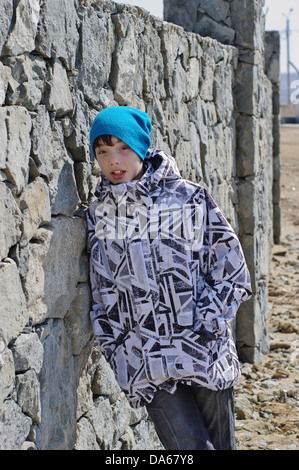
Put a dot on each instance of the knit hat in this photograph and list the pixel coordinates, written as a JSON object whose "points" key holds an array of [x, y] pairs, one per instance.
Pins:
{"points": [[130, 125]]}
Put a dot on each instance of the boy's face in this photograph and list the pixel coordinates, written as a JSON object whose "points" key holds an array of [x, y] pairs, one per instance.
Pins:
{"points": [[118, 162]]}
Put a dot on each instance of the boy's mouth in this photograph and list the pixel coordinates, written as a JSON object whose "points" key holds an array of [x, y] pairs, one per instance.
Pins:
{"points": [[118, 173]]}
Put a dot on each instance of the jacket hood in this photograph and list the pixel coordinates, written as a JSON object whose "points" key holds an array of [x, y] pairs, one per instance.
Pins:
{"points": [[160, 168]]}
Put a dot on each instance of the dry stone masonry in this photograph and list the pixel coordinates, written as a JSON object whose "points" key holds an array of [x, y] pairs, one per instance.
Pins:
{"points": [[257, 160], [210, 102]]}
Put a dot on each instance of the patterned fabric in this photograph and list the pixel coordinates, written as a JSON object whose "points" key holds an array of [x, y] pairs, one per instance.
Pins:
{"points": [[167, 275]]}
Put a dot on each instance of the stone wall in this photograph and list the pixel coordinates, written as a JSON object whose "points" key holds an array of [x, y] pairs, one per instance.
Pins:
{"points": [[272, 70], [61, 62], [241, 23]]}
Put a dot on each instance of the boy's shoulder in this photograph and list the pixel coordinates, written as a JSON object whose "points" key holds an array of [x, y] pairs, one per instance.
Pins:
{"points": [[186, 188]]}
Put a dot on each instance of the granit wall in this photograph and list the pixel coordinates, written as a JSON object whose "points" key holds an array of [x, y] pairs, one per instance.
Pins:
{"points": [[62, 61], [240, 23]]}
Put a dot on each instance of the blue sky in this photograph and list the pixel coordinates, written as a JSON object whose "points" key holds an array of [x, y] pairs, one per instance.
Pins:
{"points": [[275, 20]]}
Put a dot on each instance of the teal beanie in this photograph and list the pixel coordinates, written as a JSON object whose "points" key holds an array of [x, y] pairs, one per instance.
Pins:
{"points": [[130, 125]]}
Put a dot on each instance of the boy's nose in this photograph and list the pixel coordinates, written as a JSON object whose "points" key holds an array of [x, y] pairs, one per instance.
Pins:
{"points": [[114, 157]]}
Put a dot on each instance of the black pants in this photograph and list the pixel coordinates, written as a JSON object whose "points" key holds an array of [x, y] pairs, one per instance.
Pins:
{"points": [[194, 418]]}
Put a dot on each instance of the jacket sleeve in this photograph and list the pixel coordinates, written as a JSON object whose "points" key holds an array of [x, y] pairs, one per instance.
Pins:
{"points": [[225, 279], [99, 320]]}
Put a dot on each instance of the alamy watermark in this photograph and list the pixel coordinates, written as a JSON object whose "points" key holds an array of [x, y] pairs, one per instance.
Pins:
{"points": [[129, 220], [294, 98]]}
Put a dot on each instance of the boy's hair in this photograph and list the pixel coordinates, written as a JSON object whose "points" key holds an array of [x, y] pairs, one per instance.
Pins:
{"points": [[105, 139]]}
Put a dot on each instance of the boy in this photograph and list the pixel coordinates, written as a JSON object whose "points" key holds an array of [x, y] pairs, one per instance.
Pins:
{"points": [[167, 275]]}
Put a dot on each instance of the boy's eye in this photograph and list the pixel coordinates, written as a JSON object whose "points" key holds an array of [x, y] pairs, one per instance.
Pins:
{"points": [[100, 152]]}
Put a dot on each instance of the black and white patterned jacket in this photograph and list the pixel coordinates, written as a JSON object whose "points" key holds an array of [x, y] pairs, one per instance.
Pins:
{"points": [[167, 275]]}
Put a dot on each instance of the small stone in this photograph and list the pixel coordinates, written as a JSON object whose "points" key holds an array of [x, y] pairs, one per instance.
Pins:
{"points": [[290, 238], [280, 373], [268, 384], [262, 397], [15, 127], [22, 37], [10, 219], [283, 395], [14, 426], [280, 344], [59, 99], [292, 447], [263, 443], [13, 311], [27, 445], [243, 408], [28, 395], [28, 353]]}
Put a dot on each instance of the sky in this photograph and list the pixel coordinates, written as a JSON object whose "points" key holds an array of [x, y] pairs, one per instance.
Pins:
{"points": [[276, 12], [275, 21]]}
